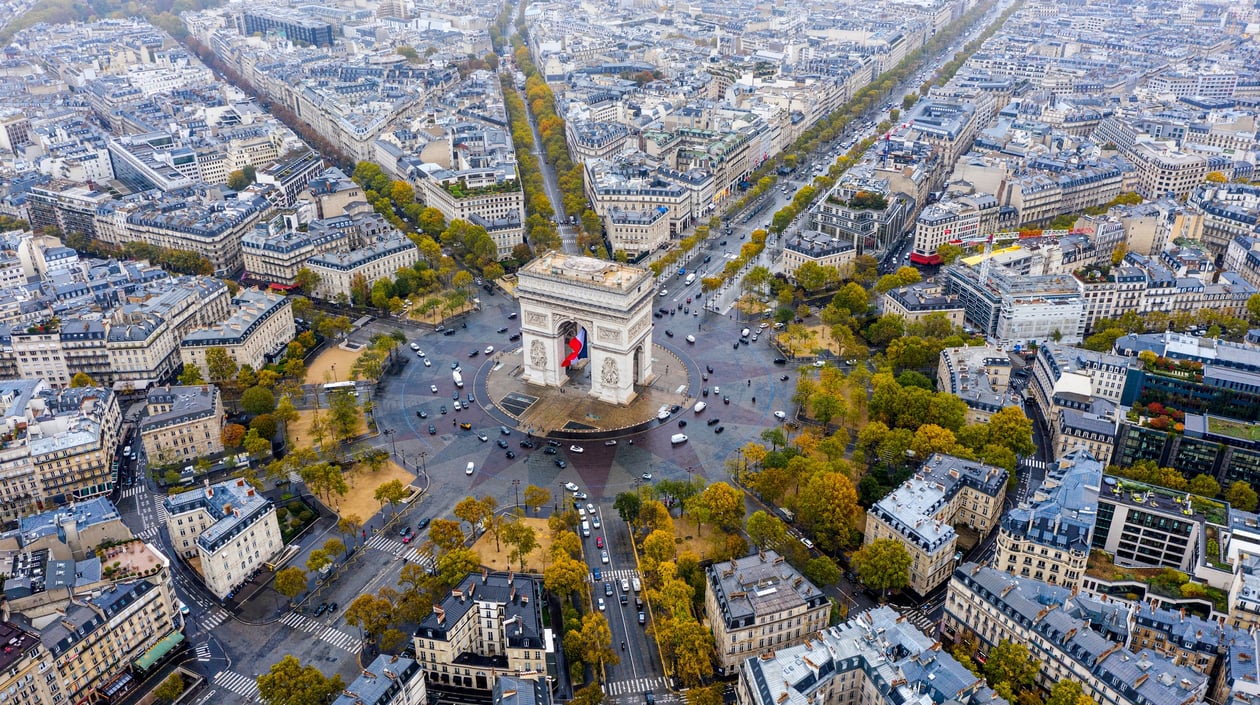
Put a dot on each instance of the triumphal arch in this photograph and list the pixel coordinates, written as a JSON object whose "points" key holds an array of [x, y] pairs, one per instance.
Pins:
{"points": [[584, 318]]}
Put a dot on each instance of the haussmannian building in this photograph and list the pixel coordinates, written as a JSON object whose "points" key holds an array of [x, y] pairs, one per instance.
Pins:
{"points": [[257, 332], [229, 526], [182, 423], [760, 602]]}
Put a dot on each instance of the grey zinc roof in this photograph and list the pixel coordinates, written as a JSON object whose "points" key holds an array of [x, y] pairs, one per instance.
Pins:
{"points": [[1065, 508], [517, 593], [759, 585], [375, 683]]}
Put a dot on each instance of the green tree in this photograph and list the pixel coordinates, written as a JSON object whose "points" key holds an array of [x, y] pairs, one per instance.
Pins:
{"points": [[220, 365], [258, 400], [765, 530], [190, 376], [170, 689], [827, 506], [288, 682], [390, 493], [445, 535], [371, 614], [1205, 485], [595, 640], [693, 652], [627, 505], [1241, 496], [565, 575], [1068, 692], [256, 445], [521, 537], [343, 415], [1011, 669], [1253, 308], [723, 504], [822, 571], [536, 497], [883, 564], [305, 280], [291, 582]]}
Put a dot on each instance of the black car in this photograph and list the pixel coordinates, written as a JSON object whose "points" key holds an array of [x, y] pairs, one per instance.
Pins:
{"points": [[432, 430], [501, 443], [656, 315], [332, 607], [422, 414], [706, 391], [682, 423], [736, 345], [512, 316], [561, 464], [449, 331], [669, 333], [514, 337], [474, 353], [783, 378], [549, 450], [719, 429], [708, 259], [708, 368], [323, 607], [675, 409], [510, 455], [726, 399], [527, 443], [780, 360], [443, 410], [714, 422], [502, 330], [423, 523]]}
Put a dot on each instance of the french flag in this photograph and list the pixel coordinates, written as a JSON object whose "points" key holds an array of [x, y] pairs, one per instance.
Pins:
{"points": [[577, 348]]}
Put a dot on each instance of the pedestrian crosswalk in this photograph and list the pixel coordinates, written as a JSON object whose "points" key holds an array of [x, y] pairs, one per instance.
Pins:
{"points": [[147, 534], [159, 506], [424, 558], [1033, 463], [386, 544], [203, 652], [243, 686], [214, 619], [133, 491], [634, 685], [628, 574], [332, 635]]}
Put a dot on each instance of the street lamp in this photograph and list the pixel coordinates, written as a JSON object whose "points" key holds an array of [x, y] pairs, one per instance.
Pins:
{"points": [[389, 433], [334, 372], [516, 485]]}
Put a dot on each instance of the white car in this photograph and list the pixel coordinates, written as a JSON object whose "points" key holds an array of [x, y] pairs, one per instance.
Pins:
{"points": [[820, 363], [484, 438], [590, 508], [780, 415], [807, 543], [646, 476], [603, 557], [717, 391], [433, 388], [427, 363], [420, 353], [663, 292], [415, 346], [576, 449], [601, 604], [468, 470], [489, 349], [570, 487]]}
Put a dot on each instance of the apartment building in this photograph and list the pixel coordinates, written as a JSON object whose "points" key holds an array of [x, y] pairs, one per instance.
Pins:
{"points": [[922, 512], [1015, 310], [1229, 211], [637, 185], [979, 376], [331, 192], [388, 680], [488, 627], [968, 218], [1048, 538], [916, 302], [875, 658], [948, 126], [1166, 171], [521, 691], [206, 222], [759, 603], [634, 232], [1066, 377], [373, 259], [864, 212], [66, 205], [1083, 644], [818, 248], [182, 423], [292, 24], [291, 176], [595, 140], [1055, 188], [257, 332], [491, 193], [231, 528], [1244, 592], [61, 447], [274, 253], [1147, 525]]}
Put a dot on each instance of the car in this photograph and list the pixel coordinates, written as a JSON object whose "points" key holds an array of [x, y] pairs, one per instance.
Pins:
{"points": [[717, 391], [422, 414], [489, 349], [624, 600], [780, 415], [601, 604], [561, 464], [726, 399], [443, 409], [570, 487], [415, 346], [482, 437], [807, 543], [449, 331], [512, 316], [783, 378], [468, 469], [501, 443], [432, 430], [514, 337], [595, 521], [590, 508], [603, 557], [471, 398], [454, 365], [433, 388], [504, 430], [719, 429], [608, 588], [599, 542], [323, 607], [439, 329], [576, 449], [502, 330], [682, 423], [820, 363], [404, 531], [705, 392], [646, 476], [427, 363], [526, 443], [597, 574], [420, 353], [474, 353], [549, 450], [423, 524], [554, 444], [407, 538], [457, 405], [713, 422], [663, 292], [510, 454], [669, 333], [465, 425]]}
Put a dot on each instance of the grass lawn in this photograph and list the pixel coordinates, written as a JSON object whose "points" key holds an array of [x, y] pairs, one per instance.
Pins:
{"points": [[498, 560], [698, 542], [359, 499], [1234, 429], [321, 370]]}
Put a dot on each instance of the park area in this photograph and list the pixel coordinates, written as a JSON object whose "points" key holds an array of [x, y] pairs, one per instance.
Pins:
{"points": [[360, 499], [811, 339], [331, 365], [434, 315], [498, 560], [300, 429]]}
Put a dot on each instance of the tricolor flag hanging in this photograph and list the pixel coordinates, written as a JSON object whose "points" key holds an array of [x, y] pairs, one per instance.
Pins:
{"points": [[577, 346]]}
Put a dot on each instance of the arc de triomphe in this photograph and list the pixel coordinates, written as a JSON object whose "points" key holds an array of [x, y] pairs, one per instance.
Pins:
{"points": [[564, 297]]}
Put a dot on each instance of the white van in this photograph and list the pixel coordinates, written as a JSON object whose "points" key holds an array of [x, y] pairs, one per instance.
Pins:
{"points": [[470, 468], [586, 529], [700, 406], [678, 438], [637, 585]]}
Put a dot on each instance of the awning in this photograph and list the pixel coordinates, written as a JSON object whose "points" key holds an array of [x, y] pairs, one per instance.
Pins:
{"points": [[160, 649]]}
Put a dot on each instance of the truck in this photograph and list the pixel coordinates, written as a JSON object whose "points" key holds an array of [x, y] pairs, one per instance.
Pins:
{"points": [[459, 379], [690, 278]]}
